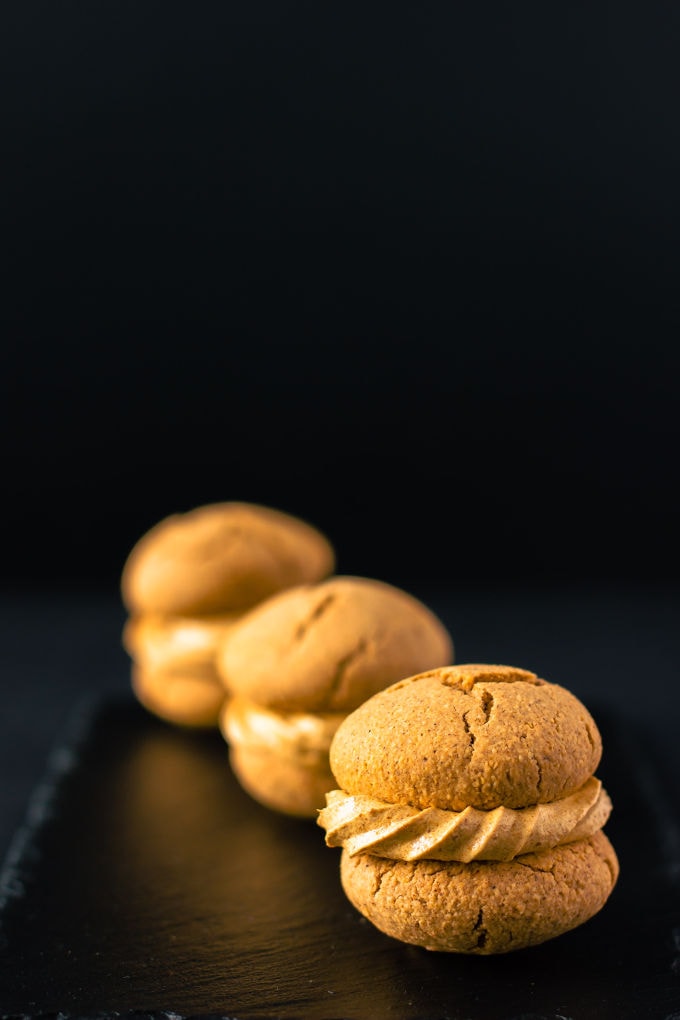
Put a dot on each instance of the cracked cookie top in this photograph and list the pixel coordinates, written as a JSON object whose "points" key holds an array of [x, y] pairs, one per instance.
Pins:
{"points": [[327, 647], [481, 736]]}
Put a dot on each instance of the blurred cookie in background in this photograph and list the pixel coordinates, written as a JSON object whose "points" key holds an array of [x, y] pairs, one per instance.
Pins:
{"points": [[297, 664], [189, 580]]}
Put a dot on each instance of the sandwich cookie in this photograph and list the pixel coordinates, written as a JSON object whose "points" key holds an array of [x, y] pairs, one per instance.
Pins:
{"points": [[295, 667], [189, 579], [468, 811]]}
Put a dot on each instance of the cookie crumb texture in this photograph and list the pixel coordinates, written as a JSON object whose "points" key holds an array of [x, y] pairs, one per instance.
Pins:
{"points": [[483, 908]]}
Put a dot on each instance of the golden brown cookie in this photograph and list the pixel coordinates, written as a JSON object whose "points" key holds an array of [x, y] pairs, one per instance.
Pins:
{"points": [[483, 907], [189, 579], [281, 759], [516, 740], [182, 698], [280, 783], [175, 673], [297, 664], [468, 810], [222, 557]]}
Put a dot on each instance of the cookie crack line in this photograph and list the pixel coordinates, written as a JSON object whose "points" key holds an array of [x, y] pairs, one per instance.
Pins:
{"points": [[379, 879], [536, 869], [539, 771], [478, 927], [466, 725], [487, 702], [319, 610], [591, 738], [342, 667], [465, 678]]}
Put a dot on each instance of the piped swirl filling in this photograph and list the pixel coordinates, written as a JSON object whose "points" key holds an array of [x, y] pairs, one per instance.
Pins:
{"points": [[404, 833]]}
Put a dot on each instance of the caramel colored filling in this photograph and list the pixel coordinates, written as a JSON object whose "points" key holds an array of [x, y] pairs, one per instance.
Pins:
{"points": [[403, 833], [298, 735], [177, 642]]}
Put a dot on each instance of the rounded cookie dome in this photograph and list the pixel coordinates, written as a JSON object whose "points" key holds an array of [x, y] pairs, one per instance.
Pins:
{"points": [[327, 647], [222, 557], [469, 735]]}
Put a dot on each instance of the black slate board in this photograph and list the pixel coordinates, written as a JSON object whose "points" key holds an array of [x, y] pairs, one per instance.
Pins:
{"points": [[146, 882]]}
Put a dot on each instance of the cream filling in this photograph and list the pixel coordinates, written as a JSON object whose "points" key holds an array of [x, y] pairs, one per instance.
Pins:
{"points": [[297, 735], [404, 833], [178, 642]]}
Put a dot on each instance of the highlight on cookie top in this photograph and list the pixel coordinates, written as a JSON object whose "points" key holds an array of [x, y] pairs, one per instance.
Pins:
{"points": [[299, 662], [189, 580], [468, 810]]}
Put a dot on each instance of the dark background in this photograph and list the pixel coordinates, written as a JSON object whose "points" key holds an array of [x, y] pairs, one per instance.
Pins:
{"points": [[409, 271]]}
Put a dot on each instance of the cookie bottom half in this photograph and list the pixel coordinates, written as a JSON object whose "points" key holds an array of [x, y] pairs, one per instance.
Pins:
{"points": [[182, 699], [483, 907], [280, 782]]}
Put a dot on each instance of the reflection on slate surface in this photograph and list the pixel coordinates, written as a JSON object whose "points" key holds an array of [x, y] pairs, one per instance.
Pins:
{"points": [[156, 884]]}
